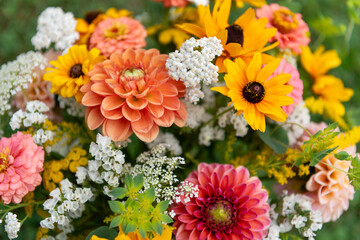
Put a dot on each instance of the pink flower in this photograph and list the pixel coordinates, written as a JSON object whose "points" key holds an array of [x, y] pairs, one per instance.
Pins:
{"points": [[173, 3], [292, 30], [230, 205], [295, 81], [21, 162], [118, 34], [330, 189]]}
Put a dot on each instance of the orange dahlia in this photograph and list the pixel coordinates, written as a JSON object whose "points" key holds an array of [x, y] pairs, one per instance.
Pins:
{"points": [[132, 92], [243, 38]]}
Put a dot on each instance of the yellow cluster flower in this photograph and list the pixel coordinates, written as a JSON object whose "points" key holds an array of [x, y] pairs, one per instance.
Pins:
{"points": [[41, 233], [348, 138], [304, 170], [281, 174], [29, 198]]}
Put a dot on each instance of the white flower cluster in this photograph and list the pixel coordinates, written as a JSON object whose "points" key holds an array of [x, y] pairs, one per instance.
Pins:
{"points": [[67, 203], [200, 2], [294, 211], [300, 116], [186, 191], [209, 133], [158, 172], [106, 167], [173, 144], [230, 118], [33, 115], [12, 225], [193, 65], [16, 75], [55, 26], [40, 137], [73, 108], [196, 115]]}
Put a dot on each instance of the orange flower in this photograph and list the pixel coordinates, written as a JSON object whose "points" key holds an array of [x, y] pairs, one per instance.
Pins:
{"points": [[132, 92], [243, 38]]}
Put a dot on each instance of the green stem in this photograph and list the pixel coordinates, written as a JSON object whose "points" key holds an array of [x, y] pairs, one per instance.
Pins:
{"points": [[11, 208], [349, 32], [293, 123], [319, 41], [216, 116], [192, 159]]}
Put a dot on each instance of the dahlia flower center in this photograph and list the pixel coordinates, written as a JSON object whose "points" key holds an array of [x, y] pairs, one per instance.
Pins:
{"points": [[116, 30], [285, 20], [254, 92], [76, 71], [4, 162], [219, 214], [235, 34], [133, 73]]}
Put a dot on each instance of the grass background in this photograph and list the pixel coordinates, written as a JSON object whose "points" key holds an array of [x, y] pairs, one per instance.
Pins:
{"points": [[18, 24]]}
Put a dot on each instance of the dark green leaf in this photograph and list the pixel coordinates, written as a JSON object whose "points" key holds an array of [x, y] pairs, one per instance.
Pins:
{"points": [[103, 232], [119, 192], [342, 155], [276, 138], [117, 207], [138, 182], [316, 157], [116, 221]]}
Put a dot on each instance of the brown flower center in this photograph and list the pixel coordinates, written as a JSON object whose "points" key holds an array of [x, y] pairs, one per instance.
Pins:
{"points": [[4, 162], [90, 16], [220, 214], [117, 30], [254, 92], [235, 34], [285, 20], [76, 71]]}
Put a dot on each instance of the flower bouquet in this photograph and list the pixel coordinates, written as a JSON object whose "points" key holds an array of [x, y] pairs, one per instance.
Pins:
{"points": [[218, 121]]}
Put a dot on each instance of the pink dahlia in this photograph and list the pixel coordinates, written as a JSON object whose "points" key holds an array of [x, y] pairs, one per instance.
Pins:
{"points": [[133, 92], [295, 81], [174, 3], [118, 34], [291, 29], [330, 189], [21, 162], [230, 205]]}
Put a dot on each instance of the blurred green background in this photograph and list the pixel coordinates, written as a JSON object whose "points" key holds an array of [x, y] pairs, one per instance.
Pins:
{"points": [[333, 23]]}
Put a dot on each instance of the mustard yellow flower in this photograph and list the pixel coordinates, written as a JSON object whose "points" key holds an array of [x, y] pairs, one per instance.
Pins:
{"points": [[255, 3]]}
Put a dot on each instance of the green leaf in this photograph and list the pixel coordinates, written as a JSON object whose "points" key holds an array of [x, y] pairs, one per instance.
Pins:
{"points": [[119, 192], [129, 181], [157, 226], [142, 232], [117, 207], [165, 218], [354, 173], [130, 227], [276, 138], [149, 194], [103, 232], [163, 205], [116, 221], [138, 182], [316, 157], [342, 155]]}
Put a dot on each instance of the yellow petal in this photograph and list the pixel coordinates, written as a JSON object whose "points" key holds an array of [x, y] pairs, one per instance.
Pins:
{"points": [[192, 29], [269, 69], [223, 90], [254, 67]]}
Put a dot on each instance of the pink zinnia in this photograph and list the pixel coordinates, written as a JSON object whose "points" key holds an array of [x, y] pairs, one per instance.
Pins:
{"points": [[173, 3], [118, 34], [21, 162], [230, 205], [295, 81], [133, 92], [292, 30]]}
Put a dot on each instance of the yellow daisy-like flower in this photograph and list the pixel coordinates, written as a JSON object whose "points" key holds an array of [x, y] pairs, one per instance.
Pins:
{"points": [[319, 63], [69, 72], [255, 3], [253, 93], [243, 38]]}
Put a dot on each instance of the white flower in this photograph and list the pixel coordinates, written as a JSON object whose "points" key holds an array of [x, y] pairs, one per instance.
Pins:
{"points": [[209, 133], [12, 225], [196, 114], [55, 26], [73, 108], [298, 221], [170, 140], [200, 2]]}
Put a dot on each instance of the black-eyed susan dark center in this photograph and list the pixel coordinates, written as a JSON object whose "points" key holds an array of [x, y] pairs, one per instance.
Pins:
{"points": [[76, 71], [254, 92], [90, 16], [235, 34]]}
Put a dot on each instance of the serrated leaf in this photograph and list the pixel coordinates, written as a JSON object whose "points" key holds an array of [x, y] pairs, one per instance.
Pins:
{"points": [[165, 218], [119, 192], [157, 226], [342, 155], [129, 181], [116, 221], [163, 205], [138, 182], [316, 157], [148, 227], [117, 207], [149, 194], [276, 139]]}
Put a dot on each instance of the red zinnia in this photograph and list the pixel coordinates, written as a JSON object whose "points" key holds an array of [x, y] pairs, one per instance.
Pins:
{"points": [[230, 205]]}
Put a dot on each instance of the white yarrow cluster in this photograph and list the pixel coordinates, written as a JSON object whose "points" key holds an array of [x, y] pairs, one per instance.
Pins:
{"points": [[300, 116], [230, 118], [173, 144], [55, 26], [73, 108], [196, 115], [12, 225], [200, 2], [158, 172], [186, 191], [16, 75], [209, 133], [67, 203], [294, 211], [33, 115], [193, 65]]}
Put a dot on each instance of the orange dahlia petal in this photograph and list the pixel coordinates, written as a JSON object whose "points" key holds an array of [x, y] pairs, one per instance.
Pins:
{"points": [[166, 120], [144, 124], [155, 97], [149, 135], [118, 130], [131, 114], [156, 110], [93, 117], [112, 102], [101, 88], [91, 99], [112, 114], [171, 103], [136, 103]]}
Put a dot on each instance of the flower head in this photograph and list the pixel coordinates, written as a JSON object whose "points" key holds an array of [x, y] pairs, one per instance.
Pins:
{"points": [[255, 3], [70, 71], [291, 29], [230, 205], [118, 34], [330, 188], [243, 38], [253, 93], [173, 3], [132, 92], [21, 162]]}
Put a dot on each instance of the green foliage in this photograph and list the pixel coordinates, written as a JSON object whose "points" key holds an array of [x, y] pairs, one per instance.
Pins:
{"points": [[354, 10], [354, 172], [276, 138], [103, 232], [139, 211], [327, 27], [318, 146]]}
